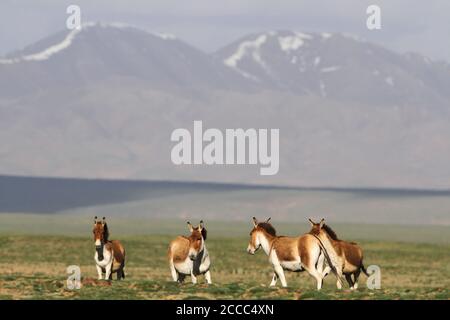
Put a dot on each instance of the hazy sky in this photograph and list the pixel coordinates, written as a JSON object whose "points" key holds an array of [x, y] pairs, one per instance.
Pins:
{"points": [[407, 25]]}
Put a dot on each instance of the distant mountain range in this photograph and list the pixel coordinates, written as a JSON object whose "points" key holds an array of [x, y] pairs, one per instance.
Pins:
{"points": [[101, 102]]}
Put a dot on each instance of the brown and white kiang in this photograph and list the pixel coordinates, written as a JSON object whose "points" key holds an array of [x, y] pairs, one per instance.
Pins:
{"points": [[109, 254], [188, 255], [288, 253], [345, 257]]}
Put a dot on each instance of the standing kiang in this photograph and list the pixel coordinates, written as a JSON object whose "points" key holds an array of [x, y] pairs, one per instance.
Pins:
{"points": [[189, 256], [287, 253], [109, 254], [345, 258]]}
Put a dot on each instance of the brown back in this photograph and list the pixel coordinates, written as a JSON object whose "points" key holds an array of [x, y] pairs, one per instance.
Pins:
{"points": [[350, 251], [179, 247], [118, 250]]}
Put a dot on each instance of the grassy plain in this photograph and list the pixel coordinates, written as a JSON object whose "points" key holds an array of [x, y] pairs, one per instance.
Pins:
{"points": [[414, 261]]}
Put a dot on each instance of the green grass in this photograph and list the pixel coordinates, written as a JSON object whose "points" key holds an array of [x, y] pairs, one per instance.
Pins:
{"points": [[34, 267], [81, 224]]}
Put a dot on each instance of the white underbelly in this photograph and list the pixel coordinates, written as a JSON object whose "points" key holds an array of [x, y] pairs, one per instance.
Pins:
{"points": [[187, 266], [205, 265], [107, 259], [291, 265], [184, 267]]}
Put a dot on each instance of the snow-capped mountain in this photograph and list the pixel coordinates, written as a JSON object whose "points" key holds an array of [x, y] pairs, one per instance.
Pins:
{"points": [[102, 102], [101, 52], [332, 66], [337, 67]]}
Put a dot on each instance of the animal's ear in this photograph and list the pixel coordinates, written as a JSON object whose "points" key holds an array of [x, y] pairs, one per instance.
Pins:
{"points": [[190, 226], [268, 219], [322, 222], [310, 221], [255, 222], [200, 226]]}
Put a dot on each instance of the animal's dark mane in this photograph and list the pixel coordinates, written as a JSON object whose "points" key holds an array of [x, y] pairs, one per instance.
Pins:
{"points": [[268, 228], [204, 233], [105, 231], [330, 232]]}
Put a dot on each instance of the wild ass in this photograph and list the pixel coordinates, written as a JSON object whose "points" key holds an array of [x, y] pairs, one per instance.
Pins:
{"points": [[189, 256], [346, 257], [109, 255], [287, 253]]}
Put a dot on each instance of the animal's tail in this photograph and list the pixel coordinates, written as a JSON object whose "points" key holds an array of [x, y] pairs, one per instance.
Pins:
{"points": [[330, 259], [364, 270]]}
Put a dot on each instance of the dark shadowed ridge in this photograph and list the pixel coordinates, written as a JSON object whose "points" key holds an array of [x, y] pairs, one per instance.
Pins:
{"points": [[51, 195]]}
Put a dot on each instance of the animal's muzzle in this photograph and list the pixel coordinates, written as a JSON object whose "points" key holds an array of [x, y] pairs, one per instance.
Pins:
{"points": [[192, 257]]}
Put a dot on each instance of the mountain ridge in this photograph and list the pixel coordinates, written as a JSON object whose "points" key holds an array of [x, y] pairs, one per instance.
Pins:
{"points": [[105, 106]]}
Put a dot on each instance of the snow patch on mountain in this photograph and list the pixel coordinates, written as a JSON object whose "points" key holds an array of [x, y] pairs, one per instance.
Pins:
{"points": [[316, 61], [166, 36], [293, 42], [389, 81], [251, 47], [50, 51], [70, 37], [330, 69]]}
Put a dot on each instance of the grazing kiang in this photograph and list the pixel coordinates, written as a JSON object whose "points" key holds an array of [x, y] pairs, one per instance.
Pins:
{"points": [[189, 256], [109, 254], [287, 253], [346, 257]]}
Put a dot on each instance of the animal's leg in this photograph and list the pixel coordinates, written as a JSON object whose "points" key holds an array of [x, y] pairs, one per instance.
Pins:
{"points": [[100, 272], [108, 271], [193, 278], [274, 280], [326, 271], [339, 276], [355, 282], [314, 265], [349, 279], [122, 270], [120, 273], [316, 275], [320, 263], [280, 273], [173, 271], [208, 277], [180, 277]]}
